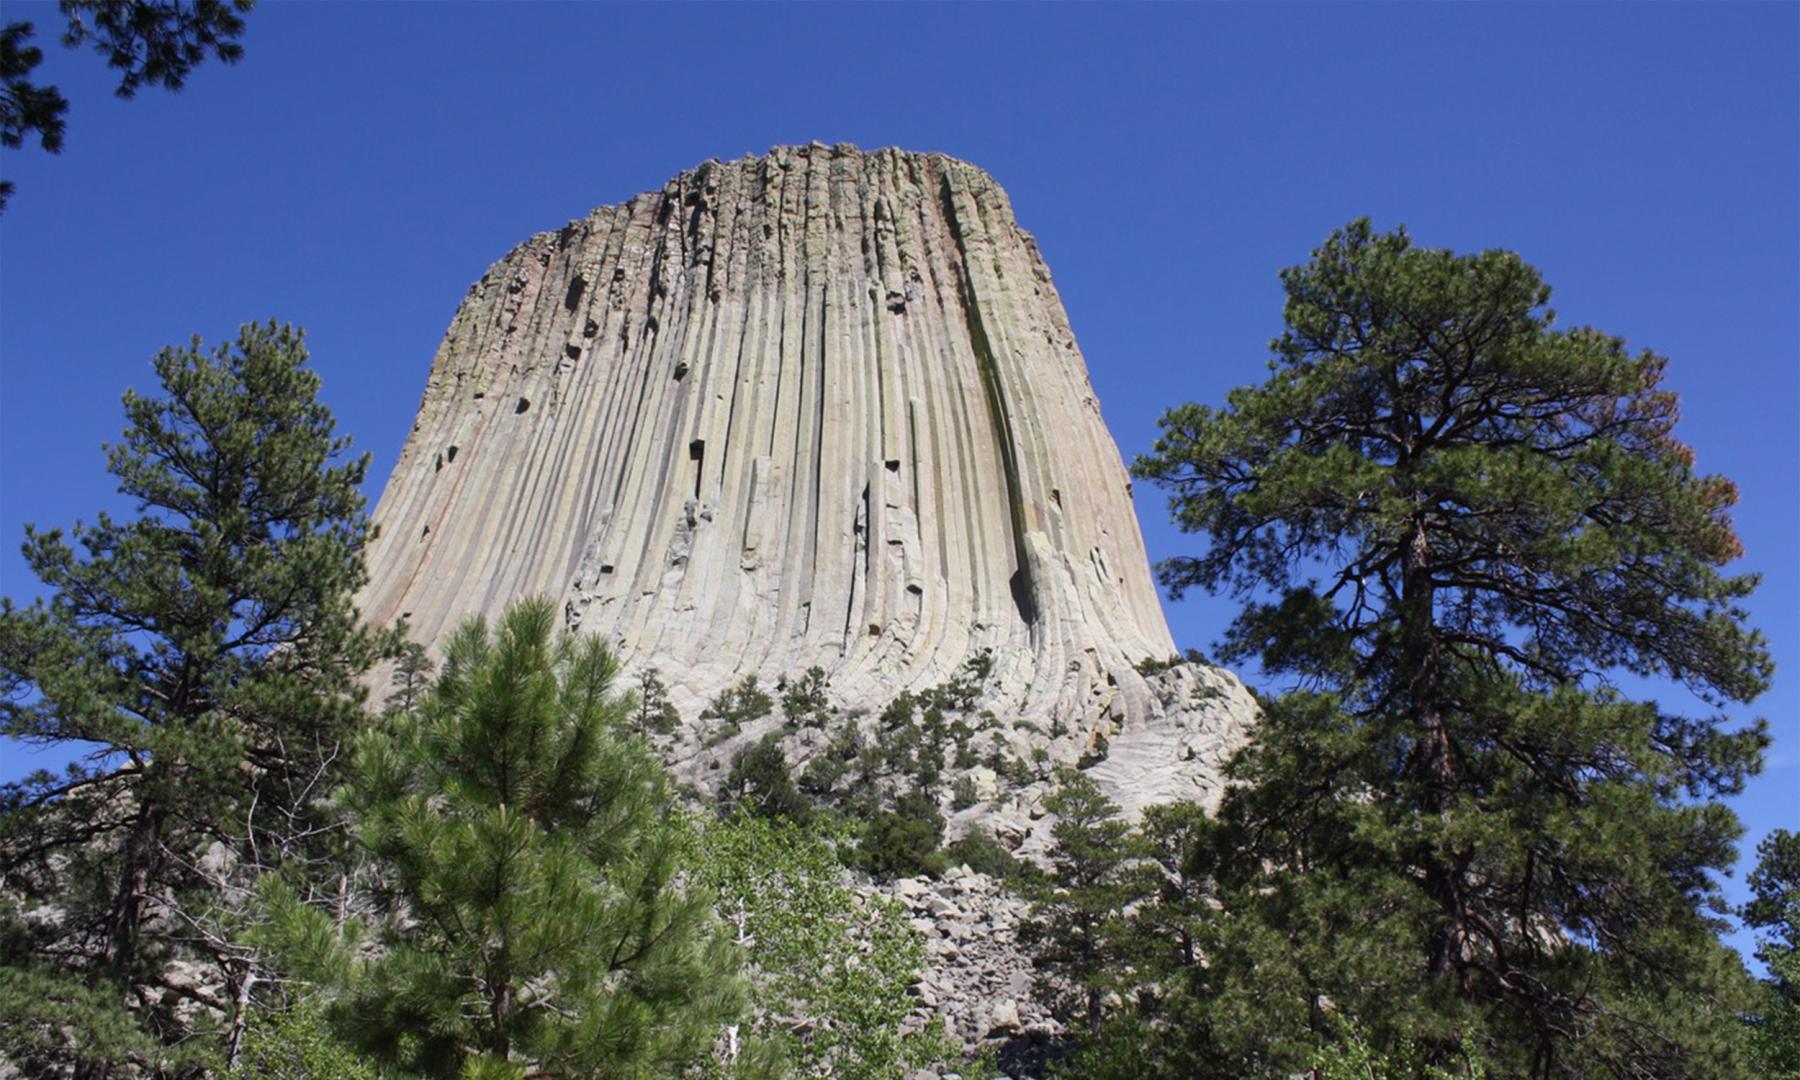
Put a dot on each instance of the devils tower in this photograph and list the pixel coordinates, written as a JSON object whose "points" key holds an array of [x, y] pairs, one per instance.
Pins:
{"points": [[815, 408]]}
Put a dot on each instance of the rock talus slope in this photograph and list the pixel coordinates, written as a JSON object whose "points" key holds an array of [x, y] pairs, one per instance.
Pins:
{"points": [[819, 407]]}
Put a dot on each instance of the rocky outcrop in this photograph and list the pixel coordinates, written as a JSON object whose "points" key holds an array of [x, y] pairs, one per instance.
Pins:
{"points": [[977, 981], [819, 407]]}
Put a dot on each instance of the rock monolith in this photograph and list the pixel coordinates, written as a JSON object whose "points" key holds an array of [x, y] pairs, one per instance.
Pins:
{"points": [[815, 408]]}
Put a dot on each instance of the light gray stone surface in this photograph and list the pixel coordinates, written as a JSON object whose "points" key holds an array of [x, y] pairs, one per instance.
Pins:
{"points": [[977, 981], [818, 407]]}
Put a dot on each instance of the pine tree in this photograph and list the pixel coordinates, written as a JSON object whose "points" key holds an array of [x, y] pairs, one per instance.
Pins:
{"points": [[205, 654], [1178, 898], [1775, 911], [1078, 928], [903, 841], [148, 42], [1452, 523], [803, 699], [534, 921], [761, 783], [655, 714], [411, 674], [744, 703]]}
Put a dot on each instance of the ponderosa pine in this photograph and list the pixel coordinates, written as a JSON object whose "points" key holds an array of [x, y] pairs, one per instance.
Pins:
{"points": [[148, 42], [202, 657], [1453, 526], [1774, 911], [1078, 932], [528, 860]]}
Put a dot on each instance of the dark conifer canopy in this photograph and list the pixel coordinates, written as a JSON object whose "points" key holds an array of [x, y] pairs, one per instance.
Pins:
{"points": [[1453, 526]]}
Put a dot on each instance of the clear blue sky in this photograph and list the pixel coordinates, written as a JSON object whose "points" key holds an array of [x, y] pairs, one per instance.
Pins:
{"points": [[365, 163]]}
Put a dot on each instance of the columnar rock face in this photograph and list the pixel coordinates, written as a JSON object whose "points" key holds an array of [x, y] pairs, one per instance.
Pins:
{"points": [[819, 407]]}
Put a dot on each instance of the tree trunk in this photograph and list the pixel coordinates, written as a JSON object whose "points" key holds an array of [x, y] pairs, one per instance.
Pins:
{"points": [[1434, 761], [142, 856], [1418, 631], [142, 852], [500, 1012]]}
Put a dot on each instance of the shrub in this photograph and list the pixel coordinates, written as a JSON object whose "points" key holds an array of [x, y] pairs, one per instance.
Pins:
{"points": [[803, 700], [297, 1045], [761, 783], [737, 706], [820, 777], [903, 842], [654, 715], [980, 852], [963, 689], [842, 960], [899, 712]]}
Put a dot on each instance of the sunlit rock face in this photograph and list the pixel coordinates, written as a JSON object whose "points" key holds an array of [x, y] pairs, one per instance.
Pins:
{"points": [[819, 407]]}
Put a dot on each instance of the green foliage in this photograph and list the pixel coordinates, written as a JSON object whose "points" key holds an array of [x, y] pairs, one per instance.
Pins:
{"points": [[760, 783], [897, 747], [654, 714], [299, 1045], [157, 42], [205, 654], [1078, 928], [847, 743], [411, 674], [1775, 909], [1775, 1019], [1117, 1052], [1449, 522], [818, 950], [903, 841], [53, 1018], [531, 919], [740, 704], [1177, 898], [928, 764], [1150, 665], [964, 688], [1352, 1058], [821, 776], [979, 851], [910, 745], [803, 699], [26, 109], [899, 713], [1094, 754], [1775, 894]]}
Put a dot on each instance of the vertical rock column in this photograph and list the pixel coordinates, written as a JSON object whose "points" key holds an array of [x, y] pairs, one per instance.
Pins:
{"points": [[816, 407]]}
